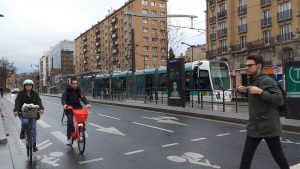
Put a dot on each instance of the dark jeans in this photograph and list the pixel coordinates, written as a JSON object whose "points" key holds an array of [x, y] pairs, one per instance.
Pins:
{"points": [[274, 146], [69, 115]]}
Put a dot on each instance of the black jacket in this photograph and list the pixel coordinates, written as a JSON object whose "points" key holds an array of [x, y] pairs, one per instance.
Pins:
{"points": [[72, 97], [22, 98]]}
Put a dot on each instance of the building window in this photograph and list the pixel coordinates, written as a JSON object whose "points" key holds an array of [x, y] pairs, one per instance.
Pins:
{"points": [[154, 22], [266, 18], [146, 57], [154, 31], [162, 13], [146, 48], [145, 2], [153, 3], [155, 49], [144, 11], [154, 39], [145, 30], [153, 12], [285, 32], [163, 23], [163, 58], [243, 25], [145, 21], [243, 41], [285, 11], [154, 58], [145, 39], [163, 32], [162, 5], [223, 45], [267, 37], [163, 50]]}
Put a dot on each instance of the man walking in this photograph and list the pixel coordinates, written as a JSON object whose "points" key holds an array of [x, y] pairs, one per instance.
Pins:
{"points": [[264, 97]]}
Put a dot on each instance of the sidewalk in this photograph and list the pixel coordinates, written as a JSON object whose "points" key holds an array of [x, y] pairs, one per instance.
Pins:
{"points": [[241, 118]]}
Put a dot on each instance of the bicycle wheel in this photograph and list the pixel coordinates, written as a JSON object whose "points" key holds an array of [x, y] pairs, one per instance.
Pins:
{"points": [[81, 139], [29, 144]]}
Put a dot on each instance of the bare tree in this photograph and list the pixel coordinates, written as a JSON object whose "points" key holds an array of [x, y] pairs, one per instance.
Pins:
{"points": [[7, 69]]}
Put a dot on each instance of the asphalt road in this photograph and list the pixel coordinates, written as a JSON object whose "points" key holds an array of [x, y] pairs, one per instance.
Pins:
{"points": [[127, 138]]}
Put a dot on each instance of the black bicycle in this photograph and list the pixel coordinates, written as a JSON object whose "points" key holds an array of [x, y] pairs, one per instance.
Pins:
{"points": [[30, 112]]}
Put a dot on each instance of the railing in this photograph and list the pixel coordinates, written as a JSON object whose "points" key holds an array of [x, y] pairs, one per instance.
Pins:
{"points": [[265, 2], [242, 9], [266, 22], [284, 15], [285, 37], [243, 28], [222, 14], [212, 2], [222, 32]]}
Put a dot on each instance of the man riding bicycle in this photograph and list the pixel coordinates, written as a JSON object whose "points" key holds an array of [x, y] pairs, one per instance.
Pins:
{"points": [[28, 96], [71, 97]]}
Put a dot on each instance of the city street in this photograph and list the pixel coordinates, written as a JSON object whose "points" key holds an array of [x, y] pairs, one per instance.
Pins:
{"points": [[128, 138]]}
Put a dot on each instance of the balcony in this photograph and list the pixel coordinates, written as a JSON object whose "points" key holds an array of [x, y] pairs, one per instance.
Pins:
{"points": [[222, 32], [284, 15], [222, 14], [242, 9], [285, 37], [212, 3], [213, 36], [266, 22], [264, 3], [243, 28], [212, 20]]}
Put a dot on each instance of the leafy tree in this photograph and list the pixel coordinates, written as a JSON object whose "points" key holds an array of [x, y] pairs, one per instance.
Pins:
{"points": [[7, 69], [171, 54]]}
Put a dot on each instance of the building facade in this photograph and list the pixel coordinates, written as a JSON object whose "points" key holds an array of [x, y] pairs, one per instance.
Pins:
{"points": [[45, 71], [236, 29], [195, 53], [110, 45]]}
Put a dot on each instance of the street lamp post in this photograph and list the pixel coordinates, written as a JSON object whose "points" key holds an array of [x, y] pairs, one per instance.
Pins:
{"points": [[38, 75], [192, 46]]}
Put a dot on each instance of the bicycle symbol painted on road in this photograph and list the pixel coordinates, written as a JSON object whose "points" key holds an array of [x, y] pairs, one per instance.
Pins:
{"points": [[193, 158], [52, 159]]}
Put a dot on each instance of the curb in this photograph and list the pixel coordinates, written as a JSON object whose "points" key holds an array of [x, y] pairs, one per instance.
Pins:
{"points": [[3, 138], [285, 127]]}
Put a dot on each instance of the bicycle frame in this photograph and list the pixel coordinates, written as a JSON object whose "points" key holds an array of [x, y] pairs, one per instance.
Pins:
{"points": [[29, 139], [80, 117]]}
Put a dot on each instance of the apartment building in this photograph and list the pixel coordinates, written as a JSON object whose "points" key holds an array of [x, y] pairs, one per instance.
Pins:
{"points": [[109, 45], [45, 70], [270, 28], [197, 52]]}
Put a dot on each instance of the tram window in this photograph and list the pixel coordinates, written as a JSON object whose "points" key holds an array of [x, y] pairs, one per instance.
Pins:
{"points": [[203, 80]]}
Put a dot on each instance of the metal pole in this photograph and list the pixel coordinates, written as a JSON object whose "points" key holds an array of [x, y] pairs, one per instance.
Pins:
{"points": [[133, 56]]}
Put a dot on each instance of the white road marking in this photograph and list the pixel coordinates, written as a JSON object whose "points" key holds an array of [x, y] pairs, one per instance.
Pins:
{"points": [[225, 134], [134, 152], [153, 127], [110, 130], [169, 145], [40, 144], [43, 124], [45, 146], [242, 131], [165, 119], [297, 166], [61, 137], [90, 161], [54, 103], [198, 139], [109, 116]]}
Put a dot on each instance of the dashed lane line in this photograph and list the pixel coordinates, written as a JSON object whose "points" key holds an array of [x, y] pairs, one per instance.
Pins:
{"points": [[225, 134], [169, 145], [90, 161], [297, 166], [43, 124], [198, 139], [134, 152], [109, 116], [146, 125]]}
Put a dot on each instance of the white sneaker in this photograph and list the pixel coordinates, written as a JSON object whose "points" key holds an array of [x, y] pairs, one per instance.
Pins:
{"points": [[69, 142]]}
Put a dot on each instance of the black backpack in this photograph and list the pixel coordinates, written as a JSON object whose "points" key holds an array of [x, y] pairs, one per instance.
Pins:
{"points": [[282, 109]]}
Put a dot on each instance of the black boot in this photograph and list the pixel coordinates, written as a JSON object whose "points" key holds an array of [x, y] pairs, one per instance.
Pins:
{"points": [[22, 134], [35, 149]]}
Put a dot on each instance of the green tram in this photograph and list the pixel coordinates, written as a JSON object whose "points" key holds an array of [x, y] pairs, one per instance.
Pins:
{"points": [[210, 77]]}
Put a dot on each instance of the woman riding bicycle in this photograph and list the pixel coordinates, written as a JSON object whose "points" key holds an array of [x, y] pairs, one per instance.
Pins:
{"points": [[28, 96], [71, 97]]}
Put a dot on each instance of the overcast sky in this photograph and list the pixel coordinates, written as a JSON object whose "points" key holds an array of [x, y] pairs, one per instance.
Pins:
{"points": [[30, 27]]}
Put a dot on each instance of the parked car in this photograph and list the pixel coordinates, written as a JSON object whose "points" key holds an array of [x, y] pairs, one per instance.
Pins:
{"points": [[15, 90]]}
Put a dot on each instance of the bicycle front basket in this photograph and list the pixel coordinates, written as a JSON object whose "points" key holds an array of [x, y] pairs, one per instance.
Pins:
{"points": [[29, 111]]}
